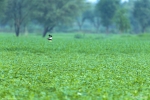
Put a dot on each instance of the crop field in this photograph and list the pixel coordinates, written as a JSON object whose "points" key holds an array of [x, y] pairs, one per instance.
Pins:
{"points": [[75, 67]]}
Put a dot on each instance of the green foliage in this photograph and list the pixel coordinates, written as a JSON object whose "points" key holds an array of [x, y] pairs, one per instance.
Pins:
{"points": [[112, 68], [17, 13], [141, 13], [93, 18], [122, 21], [78, 36], [51, 13], [84, 15], [106, 10], [2, 7]]}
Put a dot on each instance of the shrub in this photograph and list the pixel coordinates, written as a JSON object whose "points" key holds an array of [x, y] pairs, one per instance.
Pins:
{"points": [[78, 36]]}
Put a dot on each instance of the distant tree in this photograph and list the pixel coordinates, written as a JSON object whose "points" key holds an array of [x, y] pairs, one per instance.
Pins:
{"points": [[2, 3], [80, 21], [17, 12], [106, 10], [96, 22], [2, 7], [141, 13], [84, 16], [122, 20], [50, 13], [94, 18], [129, 6]]}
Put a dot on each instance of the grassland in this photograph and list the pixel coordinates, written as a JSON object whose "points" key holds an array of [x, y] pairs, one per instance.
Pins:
{"points": [[94, 67]]}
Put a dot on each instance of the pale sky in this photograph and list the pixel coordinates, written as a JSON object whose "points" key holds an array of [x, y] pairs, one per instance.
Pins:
{"points": [[93, 1]]}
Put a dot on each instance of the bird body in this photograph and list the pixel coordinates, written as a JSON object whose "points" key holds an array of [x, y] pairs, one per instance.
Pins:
{"points": [[50, 38]]}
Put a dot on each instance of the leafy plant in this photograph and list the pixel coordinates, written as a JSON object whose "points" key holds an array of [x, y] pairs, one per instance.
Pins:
{"points": [[67, 68]]}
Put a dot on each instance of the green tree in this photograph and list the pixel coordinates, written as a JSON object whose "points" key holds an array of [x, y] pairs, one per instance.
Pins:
{"points": [[80, 21], [141, 13], [2, 2], [106, 9], [17, 12], [85, 15], [2, 7], [93, 17], [50, 13], [122, 20]]}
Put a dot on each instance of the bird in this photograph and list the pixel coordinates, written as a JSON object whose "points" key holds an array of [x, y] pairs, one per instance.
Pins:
{"points": [[50, 38]]}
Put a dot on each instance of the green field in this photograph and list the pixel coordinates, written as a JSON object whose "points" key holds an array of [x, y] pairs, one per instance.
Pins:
{"points": [[94, 67]]}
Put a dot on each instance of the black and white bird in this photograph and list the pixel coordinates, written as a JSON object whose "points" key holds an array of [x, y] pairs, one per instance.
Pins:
{"points": [[50, 38]]}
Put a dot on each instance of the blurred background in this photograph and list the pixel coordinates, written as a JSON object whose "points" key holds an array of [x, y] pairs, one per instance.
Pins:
{"points": [[69, 16]]}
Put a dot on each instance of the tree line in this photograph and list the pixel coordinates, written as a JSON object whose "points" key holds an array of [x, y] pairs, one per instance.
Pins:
{"points": [[111, 15]]}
